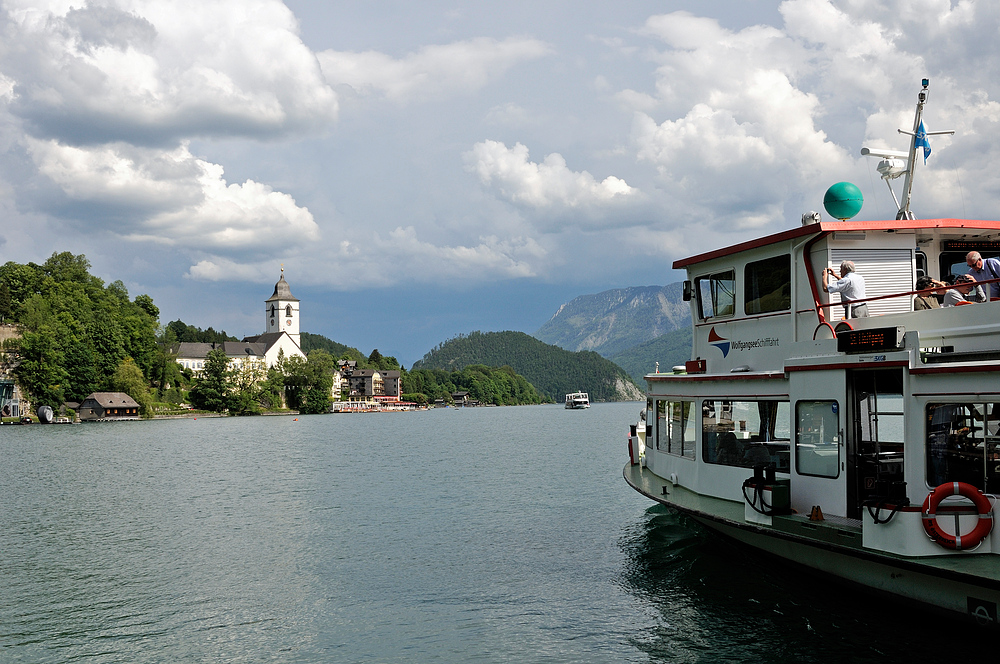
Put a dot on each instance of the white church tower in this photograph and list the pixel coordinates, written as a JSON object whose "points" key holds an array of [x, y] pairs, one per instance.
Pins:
{"points": [[281, 311]]}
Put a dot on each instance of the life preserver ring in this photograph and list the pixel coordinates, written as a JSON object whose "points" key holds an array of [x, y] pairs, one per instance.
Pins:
{"points": [[957, 541]]}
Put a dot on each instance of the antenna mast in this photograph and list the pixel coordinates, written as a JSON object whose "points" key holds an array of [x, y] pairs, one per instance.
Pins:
{"points": [[892, 166]]}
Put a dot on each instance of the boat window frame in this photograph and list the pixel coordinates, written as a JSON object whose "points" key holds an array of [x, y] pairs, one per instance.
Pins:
{"points": [[678, 435], [766, 439], [770, 269], [940, 449], [710, 285], [801, 446]]}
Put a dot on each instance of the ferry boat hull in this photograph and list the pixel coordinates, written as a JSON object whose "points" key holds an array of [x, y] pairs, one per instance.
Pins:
{"points": [[944, 586]]}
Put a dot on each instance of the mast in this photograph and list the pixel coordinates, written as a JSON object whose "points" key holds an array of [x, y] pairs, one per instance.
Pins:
{"points": [[892, 166], [911, 160]]}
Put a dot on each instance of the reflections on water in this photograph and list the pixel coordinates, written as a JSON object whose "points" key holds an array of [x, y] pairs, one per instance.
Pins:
{"points": [[478, 535], [713, 600]]}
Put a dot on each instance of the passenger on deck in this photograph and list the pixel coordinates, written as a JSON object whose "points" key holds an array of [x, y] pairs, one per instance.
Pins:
{"points": [[851, 287], [984, 270], [964, 284], [927, 300]]}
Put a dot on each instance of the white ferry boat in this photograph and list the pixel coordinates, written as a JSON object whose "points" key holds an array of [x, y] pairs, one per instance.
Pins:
{"points": [[865, 448], [576, 400]]}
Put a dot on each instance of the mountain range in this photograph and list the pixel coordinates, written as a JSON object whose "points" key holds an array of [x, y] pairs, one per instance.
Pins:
{"points": [[634, 327], [615, 320]]}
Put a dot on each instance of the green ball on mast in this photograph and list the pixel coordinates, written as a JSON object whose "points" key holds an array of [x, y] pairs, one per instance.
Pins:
{"points": [[843, 200]]}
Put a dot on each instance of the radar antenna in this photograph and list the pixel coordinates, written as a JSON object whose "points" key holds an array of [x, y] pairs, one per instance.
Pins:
{"points": [[892, 164]]}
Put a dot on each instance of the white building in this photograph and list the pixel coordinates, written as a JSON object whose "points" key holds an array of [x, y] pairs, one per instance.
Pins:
{"points": [[281, 335]]}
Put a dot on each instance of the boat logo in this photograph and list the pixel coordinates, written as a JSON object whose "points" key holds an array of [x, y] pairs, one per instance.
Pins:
{"points": [[719, 342]]}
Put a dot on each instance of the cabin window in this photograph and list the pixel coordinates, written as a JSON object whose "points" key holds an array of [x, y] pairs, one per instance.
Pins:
{"points": [[767, 285], [963, 444], [817, 438], [745, 433], [675, 426], [716, 294]]}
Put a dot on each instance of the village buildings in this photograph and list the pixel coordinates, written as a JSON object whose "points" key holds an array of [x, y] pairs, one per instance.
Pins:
{"points": [[282, 337]]}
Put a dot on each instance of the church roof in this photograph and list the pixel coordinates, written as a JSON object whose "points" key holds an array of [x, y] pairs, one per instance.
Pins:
{"points": [[282, 291], [231, 348], [268, 339]]}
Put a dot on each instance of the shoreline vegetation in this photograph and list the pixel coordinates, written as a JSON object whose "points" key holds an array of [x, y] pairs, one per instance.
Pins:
{"points": [[67, 335]]}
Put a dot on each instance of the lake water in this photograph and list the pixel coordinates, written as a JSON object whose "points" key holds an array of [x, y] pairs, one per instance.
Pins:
{"points": [[468, 535]]}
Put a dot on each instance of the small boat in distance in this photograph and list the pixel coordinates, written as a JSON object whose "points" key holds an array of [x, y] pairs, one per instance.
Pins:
{"points": [[576, 400], [866, 448]]}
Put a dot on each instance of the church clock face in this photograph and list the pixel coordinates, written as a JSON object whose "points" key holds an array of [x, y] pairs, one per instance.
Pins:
{"points": [[288, 321]]}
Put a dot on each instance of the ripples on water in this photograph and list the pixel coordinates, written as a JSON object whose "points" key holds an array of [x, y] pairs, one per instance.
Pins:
{"points": [[480, 535]]}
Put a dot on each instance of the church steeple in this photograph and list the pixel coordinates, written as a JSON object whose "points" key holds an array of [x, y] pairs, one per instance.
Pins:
{"points": [[281, 310]]}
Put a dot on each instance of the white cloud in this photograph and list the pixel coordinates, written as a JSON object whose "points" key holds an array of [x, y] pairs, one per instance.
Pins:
{"points": [[147, 71], [175, 199], [119, 175], [548, 184], [463, 66], [248, 217], [378, 260]]}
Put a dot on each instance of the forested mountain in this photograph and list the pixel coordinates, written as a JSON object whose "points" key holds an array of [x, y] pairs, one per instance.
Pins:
{"points": [[553, 371], [311, 341], [671, 349], [185, 333], [615, 320], [488, 385]]}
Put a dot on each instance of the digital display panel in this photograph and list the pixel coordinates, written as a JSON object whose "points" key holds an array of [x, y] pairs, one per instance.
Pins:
{"points": [[970, 245], [867, 341]]}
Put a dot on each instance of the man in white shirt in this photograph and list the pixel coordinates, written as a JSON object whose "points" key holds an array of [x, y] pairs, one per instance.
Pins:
{"points": [[851, 287]]}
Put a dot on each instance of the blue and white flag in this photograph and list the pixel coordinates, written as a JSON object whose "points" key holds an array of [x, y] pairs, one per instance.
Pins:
{"points": [[921, 141]]}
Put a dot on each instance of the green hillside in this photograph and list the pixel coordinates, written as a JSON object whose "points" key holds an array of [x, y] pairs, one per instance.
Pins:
{"points": [[311, 341], [553, 371], [669, 349]]}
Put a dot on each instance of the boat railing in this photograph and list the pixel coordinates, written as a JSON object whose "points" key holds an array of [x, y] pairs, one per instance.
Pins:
{"points": [[820, 306]]}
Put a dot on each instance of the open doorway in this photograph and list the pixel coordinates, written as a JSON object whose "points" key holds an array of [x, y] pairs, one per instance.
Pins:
{"points": [[875, 434]]}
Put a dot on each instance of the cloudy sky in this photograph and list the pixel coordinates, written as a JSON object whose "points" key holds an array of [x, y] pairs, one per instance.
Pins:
{"points": [[428, 169]]}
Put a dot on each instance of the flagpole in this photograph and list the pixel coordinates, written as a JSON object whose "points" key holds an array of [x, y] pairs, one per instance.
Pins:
{"points": [[911, 161], [918, 139]]}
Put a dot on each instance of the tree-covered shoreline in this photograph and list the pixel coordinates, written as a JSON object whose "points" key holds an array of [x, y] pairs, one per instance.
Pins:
{"points": [[78, 335]]}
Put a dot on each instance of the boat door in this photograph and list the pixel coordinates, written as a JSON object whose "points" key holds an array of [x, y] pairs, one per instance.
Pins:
{"points": [[874, 435], [819, 452]]}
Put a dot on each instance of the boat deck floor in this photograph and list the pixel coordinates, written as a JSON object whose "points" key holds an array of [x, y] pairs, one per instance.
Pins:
{"points": [[839, 531]]}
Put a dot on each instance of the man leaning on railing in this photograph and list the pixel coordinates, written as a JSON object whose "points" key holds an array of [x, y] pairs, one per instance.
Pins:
{"points": [[982, 270]]}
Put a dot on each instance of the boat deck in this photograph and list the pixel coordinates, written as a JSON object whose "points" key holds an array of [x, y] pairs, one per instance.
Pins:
{"points": [[832, 532]]}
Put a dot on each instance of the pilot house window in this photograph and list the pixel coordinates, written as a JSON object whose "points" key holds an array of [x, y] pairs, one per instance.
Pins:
{"points": [[767, 285], [716, 294]]}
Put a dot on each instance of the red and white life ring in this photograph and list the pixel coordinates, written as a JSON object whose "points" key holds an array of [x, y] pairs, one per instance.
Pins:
{"points": [[957, 541]]}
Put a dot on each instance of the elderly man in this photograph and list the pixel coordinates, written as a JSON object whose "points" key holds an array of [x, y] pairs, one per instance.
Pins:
{"points": [[851, 287], [959, 294], [983, 270]]}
